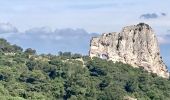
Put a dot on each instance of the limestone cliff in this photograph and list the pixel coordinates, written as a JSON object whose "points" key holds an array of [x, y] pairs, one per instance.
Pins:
{"points": [[136, 45]]}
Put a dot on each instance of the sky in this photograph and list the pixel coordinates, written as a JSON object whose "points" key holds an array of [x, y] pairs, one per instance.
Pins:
{"points": [[68, 25]]}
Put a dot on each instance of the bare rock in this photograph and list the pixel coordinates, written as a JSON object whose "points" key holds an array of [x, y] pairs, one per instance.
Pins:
{"points": [[136, 45], [129, 98]]}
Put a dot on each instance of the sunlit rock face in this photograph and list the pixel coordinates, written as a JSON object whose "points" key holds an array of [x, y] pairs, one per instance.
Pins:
{"points": [[136, 45]]}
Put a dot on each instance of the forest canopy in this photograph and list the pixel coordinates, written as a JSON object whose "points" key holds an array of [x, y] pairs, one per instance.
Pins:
{"points": [[25, 75]]}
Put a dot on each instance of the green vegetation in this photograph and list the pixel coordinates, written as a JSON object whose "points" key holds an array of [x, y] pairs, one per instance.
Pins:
{"points": [[27, 76]]}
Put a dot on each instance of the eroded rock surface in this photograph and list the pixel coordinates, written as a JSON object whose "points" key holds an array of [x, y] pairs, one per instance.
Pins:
{"points": [[136, 45]]}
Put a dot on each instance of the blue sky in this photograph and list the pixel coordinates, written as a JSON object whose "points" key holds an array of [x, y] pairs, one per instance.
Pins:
{"points": [[69, 24], [91, 15]]}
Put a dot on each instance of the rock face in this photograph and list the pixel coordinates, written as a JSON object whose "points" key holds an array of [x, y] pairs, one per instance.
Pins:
{"points": [[136, 45]]}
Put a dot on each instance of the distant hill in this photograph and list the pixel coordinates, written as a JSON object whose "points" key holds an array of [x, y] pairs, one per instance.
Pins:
{"points": [[24, 75]]}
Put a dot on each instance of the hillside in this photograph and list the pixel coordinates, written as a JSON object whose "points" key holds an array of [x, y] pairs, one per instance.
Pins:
{"points": [[24, 75]]}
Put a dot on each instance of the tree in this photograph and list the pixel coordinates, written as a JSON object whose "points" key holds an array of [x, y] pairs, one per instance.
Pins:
{"points": [[17, 48], [66, 54], [131, 86], [31, 65], [76, 55], [30, 51]]}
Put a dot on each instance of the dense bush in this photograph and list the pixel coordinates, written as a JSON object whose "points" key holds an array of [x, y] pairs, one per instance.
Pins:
{"points": [[50, 77]]}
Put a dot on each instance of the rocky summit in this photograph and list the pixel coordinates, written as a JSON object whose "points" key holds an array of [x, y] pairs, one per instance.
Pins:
{"points": [[136, 45]]}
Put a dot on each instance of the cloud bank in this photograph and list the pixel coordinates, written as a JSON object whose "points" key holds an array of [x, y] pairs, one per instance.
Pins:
{"points": [[44, 40], [7, 28]]}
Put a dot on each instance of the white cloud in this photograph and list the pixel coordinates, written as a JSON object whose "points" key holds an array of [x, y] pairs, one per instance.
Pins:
{"points": [[163, 40], [40, 30], [7, 28], [44, 40]]}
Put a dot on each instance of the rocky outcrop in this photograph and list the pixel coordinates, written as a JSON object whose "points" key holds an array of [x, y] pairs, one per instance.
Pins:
{"points": [[136, 45], [129, 98]]}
